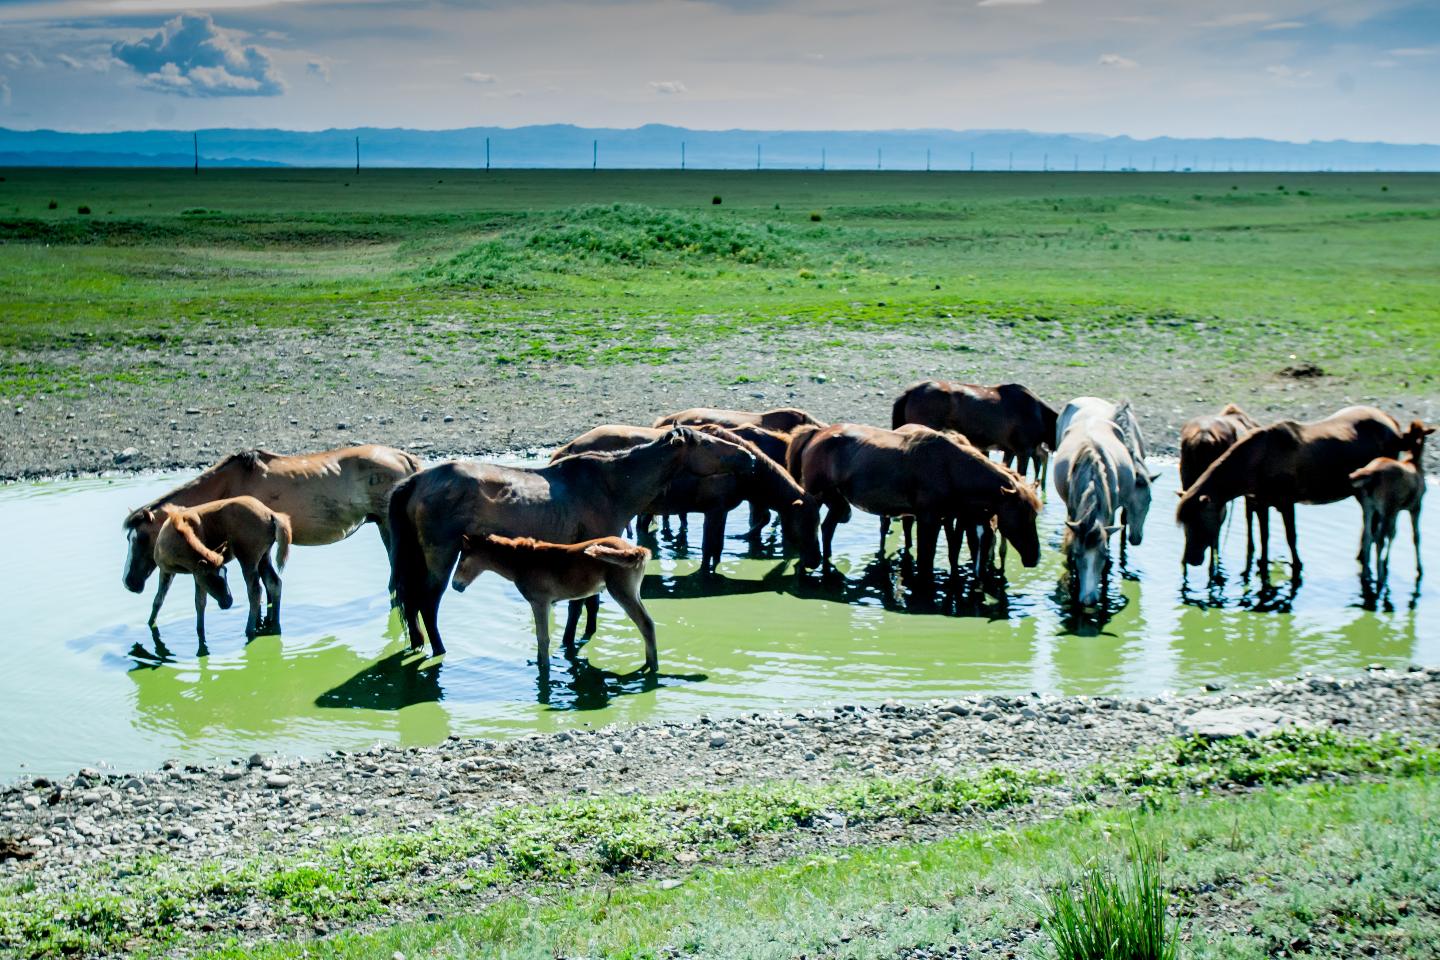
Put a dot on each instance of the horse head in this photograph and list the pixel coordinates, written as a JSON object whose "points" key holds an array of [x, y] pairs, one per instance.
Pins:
{"points": [[1087, 550], [140, 527], [1139, 506], [1016, 514], [1201, 515], [800, 526]]}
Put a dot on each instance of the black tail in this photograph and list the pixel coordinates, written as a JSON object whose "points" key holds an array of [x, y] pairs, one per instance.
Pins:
{"points": [[897, 411], [407, 562]]}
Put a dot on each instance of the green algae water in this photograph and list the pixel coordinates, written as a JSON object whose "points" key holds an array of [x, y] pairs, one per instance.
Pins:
{"points": [[84, 682]]}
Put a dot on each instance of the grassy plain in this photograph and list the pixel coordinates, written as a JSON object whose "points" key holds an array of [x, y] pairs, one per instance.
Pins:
{"points": [[476, 270]]}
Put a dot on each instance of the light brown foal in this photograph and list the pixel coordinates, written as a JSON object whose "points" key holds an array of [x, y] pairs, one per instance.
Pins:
{"points": [[547, 573], [201, 540], [1387, 488]]}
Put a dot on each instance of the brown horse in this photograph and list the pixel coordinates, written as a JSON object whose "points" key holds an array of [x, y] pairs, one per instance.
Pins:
{"points": [[1007, 417], [1288, 463], [924, 474], [547, 573], [200, 540], [783, 419], [1387, 488], [327, 496], [768, 487], [1202, 441], [576, 498]]}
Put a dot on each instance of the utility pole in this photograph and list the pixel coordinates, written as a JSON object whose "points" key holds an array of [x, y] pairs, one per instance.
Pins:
{"points": [[878, 164], [927, 159], [357, 154], [1010, 164], [594, 155], [1045, 162], [757, 156], [487, 153], [682, 154], [972, 161], [822, 159], [195, 139]]}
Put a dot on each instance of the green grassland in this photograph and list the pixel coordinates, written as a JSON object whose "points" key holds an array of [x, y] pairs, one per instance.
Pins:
{"points": [[619, 266]]}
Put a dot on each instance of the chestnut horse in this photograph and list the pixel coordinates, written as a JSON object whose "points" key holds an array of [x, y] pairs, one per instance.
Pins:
{"points": [[1007, 417], [1287, 463], [546, 573], [782, 419], [924, 474], [1202, 440], [575, 498], [327, 496], [769, 486], [1387, 488], [201, 540]]}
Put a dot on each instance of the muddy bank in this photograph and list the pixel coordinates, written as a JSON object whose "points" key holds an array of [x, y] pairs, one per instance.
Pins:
{"points": [[294, 391], [52, 830]]}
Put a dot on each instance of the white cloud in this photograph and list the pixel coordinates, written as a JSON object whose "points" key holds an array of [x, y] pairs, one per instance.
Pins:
{"points": [[484, 79], [1284, 25], [26, 59], [1283, 72], [1117, 61], [1414, 51], [668, 87], [4, 91], [191, 57], [70, 61], [1237, 19]]}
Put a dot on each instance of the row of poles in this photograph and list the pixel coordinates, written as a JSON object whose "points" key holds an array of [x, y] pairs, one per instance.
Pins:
{"points": [[880, 160]]}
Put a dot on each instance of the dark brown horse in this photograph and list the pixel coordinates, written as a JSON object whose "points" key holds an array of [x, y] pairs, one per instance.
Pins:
{"points": [[327, 496], [1202, 441], [576, 498], [783, 419], [768, 487], [924, 474], [1008, 417], [1288, 463]]}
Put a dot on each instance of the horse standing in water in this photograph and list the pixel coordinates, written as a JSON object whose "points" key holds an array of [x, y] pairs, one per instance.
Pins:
{"points": [[1288, 463], [1136, 493], [327, 497], [1202, 441], [1095, 475], [1008, 418], [781, 419], [576, 498], [1386, 488]]}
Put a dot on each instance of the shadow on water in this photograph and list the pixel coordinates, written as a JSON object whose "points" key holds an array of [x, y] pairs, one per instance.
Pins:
{"points": [[400, 680]]}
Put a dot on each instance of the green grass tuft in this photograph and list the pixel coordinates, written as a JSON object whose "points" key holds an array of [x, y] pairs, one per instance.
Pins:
{"points": [[1111, 913]]}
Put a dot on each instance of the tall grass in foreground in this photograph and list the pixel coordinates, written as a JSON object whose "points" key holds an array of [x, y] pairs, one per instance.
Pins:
{"points": [[1113, 914]]}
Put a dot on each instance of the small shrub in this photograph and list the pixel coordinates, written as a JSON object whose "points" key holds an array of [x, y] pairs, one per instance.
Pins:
{"points": [[1113, 915], [816, 216], [715, 199], [54, 204], [83, 210], [1384, 189]]}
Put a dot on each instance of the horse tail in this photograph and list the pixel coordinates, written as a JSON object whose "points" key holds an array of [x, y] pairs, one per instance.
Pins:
{"points": [[406, 559], [795, 455], [280, 529], [622, 555], [897, 411]]}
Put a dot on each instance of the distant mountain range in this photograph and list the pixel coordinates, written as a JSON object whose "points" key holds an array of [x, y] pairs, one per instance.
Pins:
{"points": [[659, 146]]}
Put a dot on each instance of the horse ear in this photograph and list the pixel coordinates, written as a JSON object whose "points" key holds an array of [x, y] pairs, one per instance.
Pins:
{"points": [[1073, 525], [1180, 494], [465, 543], [678, 436], [149, 516], [1204, 498], [797, 503], [1154, 477]]}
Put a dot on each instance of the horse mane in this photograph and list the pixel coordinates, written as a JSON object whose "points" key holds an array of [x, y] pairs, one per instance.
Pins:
{"points": [[245, 459], [1129, 426], [1239, 458]]}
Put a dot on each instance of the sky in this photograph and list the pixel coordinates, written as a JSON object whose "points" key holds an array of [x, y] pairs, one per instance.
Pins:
{"points": [[1284, 69]]}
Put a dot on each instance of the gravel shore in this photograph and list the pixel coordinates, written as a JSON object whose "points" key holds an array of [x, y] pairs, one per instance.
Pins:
{"points": [[261, 806]]}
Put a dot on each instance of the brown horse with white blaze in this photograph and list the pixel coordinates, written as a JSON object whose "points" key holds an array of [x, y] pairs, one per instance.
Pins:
{"points": [[1287, 463], [924, 474], [1007, 417], [201, 540], [327, 496], [576, 498]]}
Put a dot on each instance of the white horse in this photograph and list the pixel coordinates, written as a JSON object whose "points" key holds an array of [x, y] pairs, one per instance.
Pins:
{"points": [[1135, 503], [1095, 475]]}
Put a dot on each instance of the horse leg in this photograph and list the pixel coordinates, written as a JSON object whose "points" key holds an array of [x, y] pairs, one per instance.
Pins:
{"points": [[1262, 525], [953, 537], [430, 613], [271, 578], [836, 513], [626, 591], [908, 525], [541, 610], [759, 520], [884, 533], [252, 593], [572, 623], [163, 588], [712, 541], [928, 539], [384, 529], [1367, 541], [1415, 532], [200, 611], [1287, 514]]}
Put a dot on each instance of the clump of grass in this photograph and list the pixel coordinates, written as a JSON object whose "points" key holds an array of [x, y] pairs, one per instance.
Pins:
{"points": [[54, 204], [816, 216], [1113, 914], [715, 200], [83, 210]]}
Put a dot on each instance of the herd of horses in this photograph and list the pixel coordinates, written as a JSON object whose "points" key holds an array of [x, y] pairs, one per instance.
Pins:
{"points": [[554, 531]]}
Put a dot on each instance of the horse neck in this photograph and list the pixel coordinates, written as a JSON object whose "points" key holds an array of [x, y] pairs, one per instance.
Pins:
{"points": [[1130, 432], [213, 484], [1232, 475], [770, 484], [635, 477]]}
